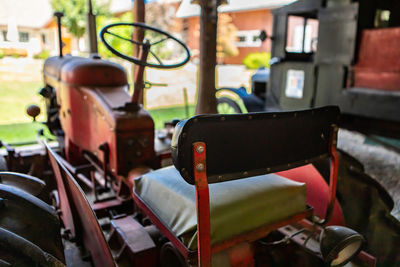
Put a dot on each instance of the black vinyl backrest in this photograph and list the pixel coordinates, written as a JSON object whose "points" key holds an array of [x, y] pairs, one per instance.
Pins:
{"points": [[243, 145]]}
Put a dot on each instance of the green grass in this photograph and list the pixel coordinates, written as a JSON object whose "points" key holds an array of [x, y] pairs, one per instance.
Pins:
{"points": [[167, 114], [21, 132], [14, 99]]}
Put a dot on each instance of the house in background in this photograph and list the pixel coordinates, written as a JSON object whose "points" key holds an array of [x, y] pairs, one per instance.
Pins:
{"points": [[249, 16], [27, 27]]}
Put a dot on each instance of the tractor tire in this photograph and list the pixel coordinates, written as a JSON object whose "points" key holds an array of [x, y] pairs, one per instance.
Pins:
{"points": [[227, 106], [27, 219]]}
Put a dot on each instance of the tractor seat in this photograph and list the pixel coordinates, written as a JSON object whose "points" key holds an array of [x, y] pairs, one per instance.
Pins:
{"points": [[223, 190], [236, 206]]}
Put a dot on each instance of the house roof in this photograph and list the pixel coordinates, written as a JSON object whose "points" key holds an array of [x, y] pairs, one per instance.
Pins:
{"points": [[186, 9], [119, 6], [25, 13]]}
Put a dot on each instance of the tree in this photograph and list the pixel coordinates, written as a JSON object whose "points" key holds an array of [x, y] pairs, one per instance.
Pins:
{"points": [[120, 45], [75, 12]]}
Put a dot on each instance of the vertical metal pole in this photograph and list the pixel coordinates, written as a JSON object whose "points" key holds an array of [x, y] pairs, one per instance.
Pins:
{"points": [[92, 33], [59, 15], [206, 100]]}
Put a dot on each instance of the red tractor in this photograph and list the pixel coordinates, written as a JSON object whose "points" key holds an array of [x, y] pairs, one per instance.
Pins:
{"points": [[242, 191]]}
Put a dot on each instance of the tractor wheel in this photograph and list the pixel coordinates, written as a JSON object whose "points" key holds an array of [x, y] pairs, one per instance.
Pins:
{"points": [[227, 106]]}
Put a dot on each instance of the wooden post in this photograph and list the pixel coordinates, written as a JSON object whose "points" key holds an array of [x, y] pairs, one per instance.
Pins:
{"points": [[206, 100], [139, 14]]}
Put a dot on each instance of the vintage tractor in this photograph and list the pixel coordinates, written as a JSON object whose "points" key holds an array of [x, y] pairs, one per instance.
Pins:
{"points": [[243, 189]]}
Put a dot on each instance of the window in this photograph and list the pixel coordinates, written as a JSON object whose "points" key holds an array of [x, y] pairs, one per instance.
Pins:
{"points": [[23, 37], [4, 33], [382, 18], [248, 38], [302, 35], [43, 38]]}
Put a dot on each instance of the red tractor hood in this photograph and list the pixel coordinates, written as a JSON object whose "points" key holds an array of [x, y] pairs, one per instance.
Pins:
{"points": [[83, 72]]}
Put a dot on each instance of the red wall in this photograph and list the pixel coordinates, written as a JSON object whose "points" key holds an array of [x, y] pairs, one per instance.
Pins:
{"points": [[244, 20]]}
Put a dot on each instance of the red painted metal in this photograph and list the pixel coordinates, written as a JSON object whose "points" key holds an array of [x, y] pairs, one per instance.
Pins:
{"points": [[334, 160], [132, 243], [91, 94], [101, 208], [80, 71], [163, 228], [202, 204], [317, 191], [260, 232], [69, 220], [378, 65], [90, 231], [137, 96]]}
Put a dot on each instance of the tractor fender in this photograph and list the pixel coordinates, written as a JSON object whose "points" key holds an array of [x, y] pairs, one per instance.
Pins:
{"points": [[27, 183], [17, 251], [246, 102], [30, 218]]}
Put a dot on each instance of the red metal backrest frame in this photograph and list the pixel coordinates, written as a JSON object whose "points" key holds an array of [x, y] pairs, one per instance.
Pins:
{"points": [[202, 204]]}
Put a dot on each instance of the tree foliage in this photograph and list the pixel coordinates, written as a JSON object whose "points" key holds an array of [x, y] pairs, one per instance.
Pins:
{"points": [[120, 45], [75, 12]]}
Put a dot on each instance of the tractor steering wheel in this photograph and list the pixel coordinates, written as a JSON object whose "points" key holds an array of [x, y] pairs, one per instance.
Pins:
{"points": [[149, 33]]}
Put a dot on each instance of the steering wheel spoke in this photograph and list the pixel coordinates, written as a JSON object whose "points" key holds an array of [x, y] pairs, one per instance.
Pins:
{"points": [[160, 41], [153, 32], [157, 58], [123, 38]]}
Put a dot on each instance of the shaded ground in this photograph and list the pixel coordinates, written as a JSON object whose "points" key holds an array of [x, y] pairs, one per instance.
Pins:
{"points": [[379, 162]]}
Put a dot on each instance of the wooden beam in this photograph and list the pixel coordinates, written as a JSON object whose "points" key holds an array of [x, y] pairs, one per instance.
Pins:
{"points": [[139, 15], [206, 100]]}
